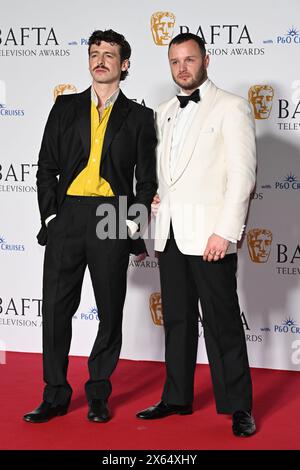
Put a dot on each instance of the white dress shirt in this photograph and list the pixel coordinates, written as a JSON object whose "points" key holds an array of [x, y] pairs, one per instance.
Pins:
{"points": [[184, 119]]}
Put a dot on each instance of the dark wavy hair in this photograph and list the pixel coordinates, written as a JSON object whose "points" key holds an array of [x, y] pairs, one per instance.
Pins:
{"points": [[113, 38]]}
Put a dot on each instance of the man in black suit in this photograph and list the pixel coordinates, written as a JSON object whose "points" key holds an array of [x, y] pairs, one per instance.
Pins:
{"points": [[94, 144], [206, 172]]}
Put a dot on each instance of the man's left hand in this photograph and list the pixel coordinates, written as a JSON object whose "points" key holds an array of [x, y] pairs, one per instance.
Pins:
{"points": [[216, 248], [141, 256]]}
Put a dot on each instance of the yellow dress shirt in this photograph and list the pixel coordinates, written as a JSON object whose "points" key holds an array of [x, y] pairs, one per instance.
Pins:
{"points": [[89, 182]]}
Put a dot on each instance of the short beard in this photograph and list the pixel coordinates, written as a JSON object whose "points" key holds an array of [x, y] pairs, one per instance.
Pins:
{"points": [[200, 78]]}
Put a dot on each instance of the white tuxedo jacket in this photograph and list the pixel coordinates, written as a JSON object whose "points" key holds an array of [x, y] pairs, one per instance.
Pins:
{"points": [[214, 174]]}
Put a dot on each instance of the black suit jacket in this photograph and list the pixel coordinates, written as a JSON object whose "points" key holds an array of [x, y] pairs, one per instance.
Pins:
{"points": [[128, 150]]}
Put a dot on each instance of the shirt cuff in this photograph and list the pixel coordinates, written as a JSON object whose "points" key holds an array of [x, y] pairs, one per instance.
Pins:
{"points": [[49, 218], [132, 227]]}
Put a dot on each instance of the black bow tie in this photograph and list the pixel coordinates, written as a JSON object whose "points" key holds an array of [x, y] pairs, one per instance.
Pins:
{"points": [[184, 99]]}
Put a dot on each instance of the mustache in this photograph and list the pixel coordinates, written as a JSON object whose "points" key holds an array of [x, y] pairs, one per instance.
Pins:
{"points": [[99, 67]]}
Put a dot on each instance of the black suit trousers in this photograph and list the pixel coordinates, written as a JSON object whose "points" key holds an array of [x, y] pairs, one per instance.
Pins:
{"points": [[72, 246], [184, 280]]}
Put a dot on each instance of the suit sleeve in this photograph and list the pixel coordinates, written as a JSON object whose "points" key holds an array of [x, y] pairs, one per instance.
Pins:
{"points": [[145, 170], [238, 134], [48, 164]]}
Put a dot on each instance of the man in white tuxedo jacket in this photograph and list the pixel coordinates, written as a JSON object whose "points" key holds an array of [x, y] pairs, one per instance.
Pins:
{"points": [[206, 161]]}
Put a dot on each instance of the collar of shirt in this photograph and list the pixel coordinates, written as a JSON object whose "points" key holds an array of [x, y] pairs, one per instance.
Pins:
{"points": [[202, 89], [110, 101]]}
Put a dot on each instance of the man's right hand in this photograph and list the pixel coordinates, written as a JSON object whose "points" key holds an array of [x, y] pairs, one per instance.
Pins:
{"points": [[155, 204]]}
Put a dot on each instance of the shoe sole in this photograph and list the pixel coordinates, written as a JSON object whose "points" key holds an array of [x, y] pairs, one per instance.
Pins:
{"points": [[244, 434], [62, 413], [91, 420], [182, 413]]}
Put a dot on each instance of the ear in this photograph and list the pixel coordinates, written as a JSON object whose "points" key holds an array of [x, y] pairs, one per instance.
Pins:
{"points": [[206, 60], [125, 65]]}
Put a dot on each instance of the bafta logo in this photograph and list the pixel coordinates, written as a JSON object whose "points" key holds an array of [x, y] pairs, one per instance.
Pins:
{"points": [[259, 242], [64, 89], [261, 98], [162, 27], [156, 308]]}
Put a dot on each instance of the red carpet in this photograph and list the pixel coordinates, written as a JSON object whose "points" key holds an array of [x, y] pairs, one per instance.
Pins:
{"points": [[137, 385]]}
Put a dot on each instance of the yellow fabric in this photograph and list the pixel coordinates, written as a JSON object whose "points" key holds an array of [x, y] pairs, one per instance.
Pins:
{"points": [[89, 182]]}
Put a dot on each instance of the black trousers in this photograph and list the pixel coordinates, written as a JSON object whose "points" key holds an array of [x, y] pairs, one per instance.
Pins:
{"points": [[72, 246], [184, 280]]}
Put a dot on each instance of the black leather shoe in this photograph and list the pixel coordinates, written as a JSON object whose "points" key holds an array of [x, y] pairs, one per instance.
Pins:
{"points": [[98, 411], [162, 409], [243, 424], [45, 412]]}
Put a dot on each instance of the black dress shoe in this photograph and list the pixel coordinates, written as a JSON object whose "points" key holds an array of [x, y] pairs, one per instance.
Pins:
{"points": [[98, 411], [45, 412], [162, 409], [243, 424]]}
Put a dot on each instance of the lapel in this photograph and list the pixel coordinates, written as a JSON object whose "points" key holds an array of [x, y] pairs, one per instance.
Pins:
{"points": [[167, 139], [83, 106], [192, 136], [116, 119]]}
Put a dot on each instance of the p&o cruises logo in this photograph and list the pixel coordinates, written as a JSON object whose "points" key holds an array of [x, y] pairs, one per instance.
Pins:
{"points": [[292, 36], [5, 111], [7, 246], [289, 325], [91, 315]]}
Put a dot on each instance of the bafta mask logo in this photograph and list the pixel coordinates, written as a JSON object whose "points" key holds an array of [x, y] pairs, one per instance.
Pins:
{"points": [[156, 308], [64, 89], [259, 242], [162, 27], [261, 98]]}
